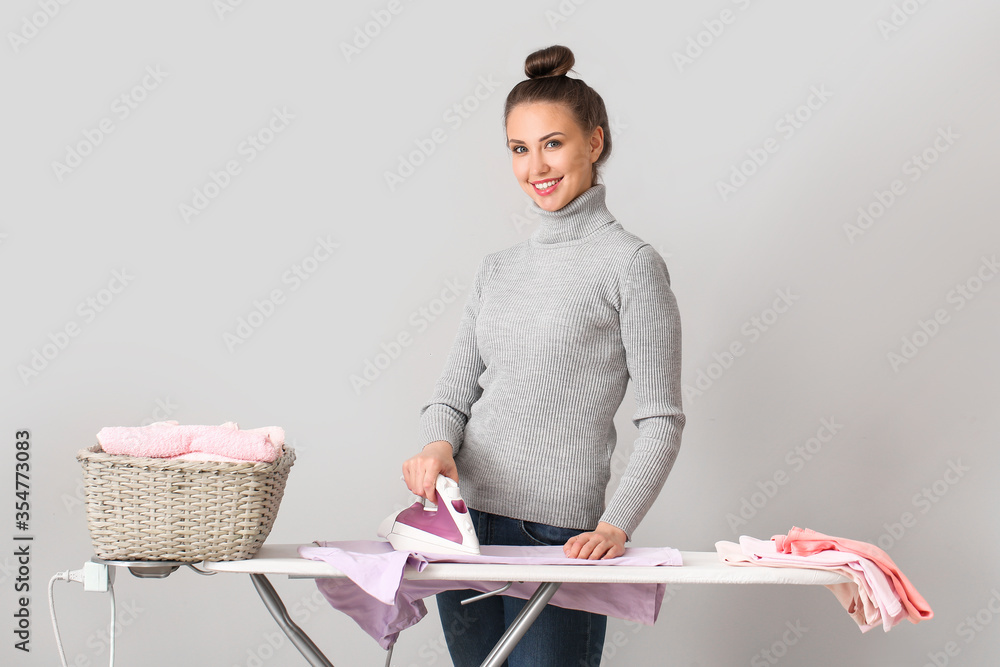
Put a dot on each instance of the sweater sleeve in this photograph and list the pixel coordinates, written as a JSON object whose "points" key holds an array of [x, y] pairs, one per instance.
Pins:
{"points": [[651, 335], [444, 416]]}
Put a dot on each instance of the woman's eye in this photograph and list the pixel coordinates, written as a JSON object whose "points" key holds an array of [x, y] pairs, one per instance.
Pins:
{"points": [[515, 149], [552, 141]]}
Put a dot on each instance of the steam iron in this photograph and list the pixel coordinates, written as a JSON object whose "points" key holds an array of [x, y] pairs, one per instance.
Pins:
{"points": [[441, 528]]}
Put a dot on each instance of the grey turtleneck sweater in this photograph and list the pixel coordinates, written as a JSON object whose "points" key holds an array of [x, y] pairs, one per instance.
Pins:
{"points": [[552, 331]]}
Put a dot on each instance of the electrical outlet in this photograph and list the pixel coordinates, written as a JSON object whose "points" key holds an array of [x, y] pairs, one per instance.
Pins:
{"points": [[95, 576]]}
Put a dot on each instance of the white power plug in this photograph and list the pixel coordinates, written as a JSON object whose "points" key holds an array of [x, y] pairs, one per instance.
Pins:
{"points": [[95, 577]]}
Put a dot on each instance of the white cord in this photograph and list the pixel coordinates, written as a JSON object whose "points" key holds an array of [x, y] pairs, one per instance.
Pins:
{"points": [[77, 575], [111, 590], [52, 611]]}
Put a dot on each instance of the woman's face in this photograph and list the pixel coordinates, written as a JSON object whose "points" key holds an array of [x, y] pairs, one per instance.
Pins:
{"points": [[548, 148]]}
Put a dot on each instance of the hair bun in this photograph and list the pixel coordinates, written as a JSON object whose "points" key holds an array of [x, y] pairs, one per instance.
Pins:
{"points": [[551, 61]]}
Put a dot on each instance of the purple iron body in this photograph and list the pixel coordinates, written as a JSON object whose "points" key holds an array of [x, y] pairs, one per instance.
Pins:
{"points": [[441, 528]]}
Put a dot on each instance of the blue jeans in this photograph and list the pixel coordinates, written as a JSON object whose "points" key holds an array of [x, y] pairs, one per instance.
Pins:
{"points": [[558, 638]]}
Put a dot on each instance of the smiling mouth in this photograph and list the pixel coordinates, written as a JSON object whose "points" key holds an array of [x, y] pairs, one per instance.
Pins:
{"points": [[541, 186]]}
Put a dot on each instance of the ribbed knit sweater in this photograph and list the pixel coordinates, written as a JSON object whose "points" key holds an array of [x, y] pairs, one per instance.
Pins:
{"points": [[551, 332]]}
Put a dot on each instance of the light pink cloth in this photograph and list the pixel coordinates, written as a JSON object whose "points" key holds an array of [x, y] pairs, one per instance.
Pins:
{"points": [[803, 541], [869, 597], [877, 581], [204, 443], [377, 597]]}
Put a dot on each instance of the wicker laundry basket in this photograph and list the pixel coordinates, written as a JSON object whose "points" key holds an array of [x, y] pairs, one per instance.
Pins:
{"points": [[188, 511]]}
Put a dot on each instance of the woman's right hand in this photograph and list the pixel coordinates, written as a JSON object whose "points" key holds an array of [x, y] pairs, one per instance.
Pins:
{"points": [[421, 471]]}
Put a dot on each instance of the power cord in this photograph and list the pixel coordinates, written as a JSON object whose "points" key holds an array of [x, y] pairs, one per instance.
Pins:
{"points": [[94, 577]]}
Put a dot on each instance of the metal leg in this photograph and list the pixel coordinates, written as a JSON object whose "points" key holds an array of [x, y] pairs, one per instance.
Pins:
{"points": [[528, 614], [301, 640], [488, 594]]}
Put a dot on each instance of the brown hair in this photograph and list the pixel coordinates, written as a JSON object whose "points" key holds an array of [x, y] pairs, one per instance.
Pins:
{"points": [[547, 82]]}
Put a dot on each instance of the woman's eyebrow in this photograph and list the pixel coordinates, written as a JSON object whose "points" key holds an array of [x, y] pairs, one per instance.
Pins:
{"points": [[547, 136]]}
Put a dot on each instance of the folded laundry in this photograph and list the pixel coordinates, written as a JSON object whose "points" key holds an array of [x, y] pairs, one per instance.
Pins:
{"points": [[868, 597], [803, 541], [194, 442], [383, 603], [878, 592]]}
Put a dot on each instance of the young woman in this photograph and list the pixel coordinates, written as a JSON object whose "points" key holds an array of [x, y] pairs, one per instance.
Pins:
{"points": [[553, 329]]}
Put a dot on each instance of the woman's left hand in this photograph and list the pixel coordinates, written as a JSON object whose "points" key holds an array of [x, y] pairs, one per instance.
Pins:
{"points": [[606, 541]]}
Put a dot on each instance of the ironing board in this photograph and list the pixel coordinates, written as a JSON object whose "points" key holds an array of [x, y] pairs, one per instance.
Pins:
{"points": [[700, 567]]}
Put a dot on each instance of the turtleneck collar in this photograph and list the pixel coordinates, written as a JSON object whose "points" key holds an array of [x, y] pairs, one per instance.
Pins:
{"points": [[575, 221]]}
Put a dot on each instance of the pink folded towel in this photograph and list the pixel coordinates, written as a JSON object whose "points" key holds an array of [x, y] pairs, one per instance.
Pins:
{"points": [[171, 440]]}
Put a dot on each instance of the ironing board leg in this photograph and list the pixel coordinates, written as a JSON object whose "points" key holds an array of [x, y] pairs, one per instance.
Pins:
{"points": [[306, 647], [516, 631]]}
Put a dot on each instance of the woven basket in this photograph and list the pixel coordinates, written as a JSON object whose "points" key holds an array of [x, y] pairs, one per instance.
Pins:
{"points": [[188, 511]]}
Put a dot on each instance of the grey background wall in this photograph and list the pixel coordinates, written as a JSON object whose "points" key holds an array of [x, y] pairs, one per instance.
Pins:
{"points": [[820, 178]]}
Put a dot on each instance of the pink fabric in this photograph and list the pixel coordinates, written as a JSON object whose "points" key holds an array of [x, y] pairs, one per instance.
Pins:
{"points": [[875, 580], [854, 597], [171, 440], [803, 542], [878, 591], [869, 597], [377, 597]]}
